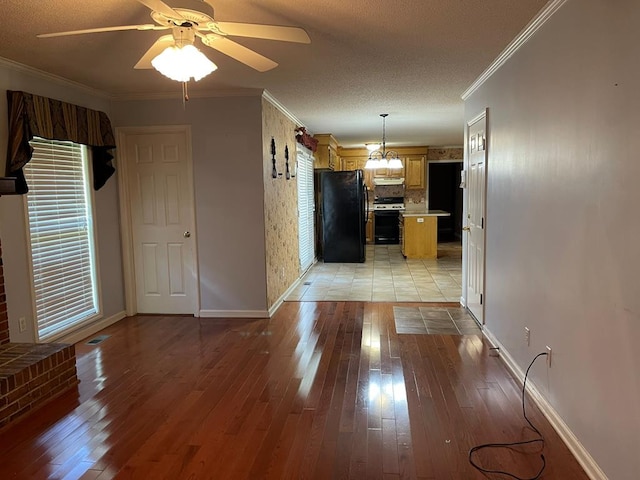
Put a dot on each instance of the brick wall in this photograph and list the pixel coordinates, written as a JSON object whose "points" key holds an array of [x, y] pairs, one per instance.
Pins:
{"points": [[31, 374], [4, 319]]}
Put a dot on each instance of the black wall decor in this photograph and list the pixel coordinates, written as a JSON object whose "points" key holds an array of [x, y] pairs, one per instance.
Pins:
{"points": [[274, 170], [286, 162]]}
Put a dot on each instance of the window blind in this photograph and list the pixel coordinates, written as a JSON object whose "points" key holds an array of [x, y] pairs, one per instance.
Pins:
{"points": [[306, 232], [61, 236]]}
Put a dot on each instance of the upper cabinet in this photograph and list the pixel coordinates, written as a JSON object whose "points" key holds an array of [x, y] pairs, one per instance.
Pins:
{"points": [[414, 172], [414, 161], [326, 156], [353, 163], [390, 172], [357, 163]]}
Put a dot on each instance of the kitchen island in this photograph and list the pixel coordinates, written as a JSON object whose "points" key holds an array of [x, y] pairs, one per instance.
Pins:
{"points": [[419, 232]]}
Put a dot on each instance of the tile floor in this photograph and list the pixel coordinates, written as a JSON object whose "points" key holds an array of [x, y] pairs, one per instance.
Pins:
{"points": [[386, 276], [434, 321]]}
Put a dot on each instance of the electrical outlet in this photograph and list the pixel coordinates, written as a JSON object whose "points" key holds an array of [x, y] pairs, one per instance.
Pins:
{"points": [[527, 336], [548, 356], [22, 323]]}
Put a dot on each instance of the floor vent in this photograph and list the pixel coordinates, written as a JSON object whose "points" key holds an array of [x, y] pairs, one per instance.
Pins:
{"points": [[97, 340], [307, 283]]}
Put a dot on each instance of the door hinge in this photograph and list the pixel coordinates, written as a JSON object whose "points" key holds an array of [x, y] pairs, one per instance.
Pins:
{"points": [[482, 222], [480, 299]]}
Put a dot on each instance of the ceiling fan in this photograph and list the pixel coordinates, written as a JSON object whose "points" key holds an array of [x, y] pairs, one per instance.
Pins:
{"points": [[187, 25]]}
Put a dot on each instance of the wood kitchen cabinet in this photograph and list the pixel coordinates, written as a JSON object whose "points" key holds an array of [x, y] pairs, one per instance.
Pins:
{"points": [[355, 163], [326, 156], [370, 228], [419, 236], [415, 172], [414, 160], [401, 233], [390, 172]]}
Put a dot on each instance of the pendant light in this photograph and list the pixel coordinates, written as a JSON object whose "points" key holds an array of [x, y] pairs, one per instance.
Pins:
{"points": [[382, 158]]}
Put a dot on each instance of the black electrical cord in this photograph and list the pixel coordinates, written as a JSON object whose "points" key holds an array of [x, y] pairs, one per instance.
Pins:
{"points": [[540, 438]]}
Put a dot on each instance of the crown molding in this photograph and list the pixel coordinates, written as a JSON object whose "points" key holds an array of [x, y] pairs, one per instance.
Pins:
{"points": [[528, 31], [64, 82], [273, 101]]}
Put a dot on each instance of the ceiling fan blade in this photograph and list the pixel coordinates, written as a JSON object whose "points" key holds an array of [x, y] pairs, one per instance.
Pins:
{"points": [[155, 50], [238, 52], [161, 7], [267, 32], [148, 26]]}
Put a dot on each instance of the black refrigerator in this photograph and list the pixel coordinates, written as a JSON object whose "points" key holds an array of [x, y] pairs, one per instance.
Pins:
{"points": [[344, 216]]}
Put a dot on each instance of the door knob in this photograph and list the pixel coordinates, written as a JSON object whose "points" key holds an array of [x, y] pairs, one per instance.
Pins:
{"points": [[466, 229], [186, 234]]}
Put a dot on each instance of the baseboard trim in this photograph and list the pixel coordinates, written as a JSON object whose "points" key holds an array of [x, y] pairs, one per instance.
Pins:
{"points": [[91, 329], [278, 303], [591, 468], [234, 314]]}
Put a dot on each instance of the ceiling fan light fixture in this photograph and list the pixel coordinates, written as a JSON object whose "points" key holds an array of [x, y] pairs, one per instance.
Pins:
{"points": [[183, 63]]}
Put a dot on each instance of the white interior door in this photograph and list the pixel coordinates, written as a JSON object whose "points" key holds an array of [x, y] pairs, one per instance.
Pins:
{"points": [[161, 210], [476, 184]]}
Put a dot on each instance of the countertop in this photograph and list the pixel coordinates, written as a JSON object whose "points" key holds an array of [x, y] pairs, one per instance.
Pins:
{"points": [[421, 211]]}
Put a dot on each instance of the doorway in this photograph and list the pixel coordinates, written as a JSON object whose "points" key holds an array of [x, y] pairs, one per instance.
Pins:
{"points": [[445, 194], [158, 220]]}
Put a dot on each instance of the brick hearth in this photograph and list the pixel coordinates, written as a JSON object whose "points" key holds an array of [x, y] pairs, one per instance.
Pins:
{"points": [[30, 373]]}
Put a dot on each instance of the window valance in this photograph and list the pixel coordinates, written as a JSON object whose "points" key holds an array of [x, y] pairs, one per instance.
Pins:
{"points": [[35, 116]]}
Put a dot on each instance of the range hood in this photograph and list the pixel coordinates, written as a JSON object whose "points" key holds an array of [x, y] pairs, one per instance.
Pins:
{"points": [[388, 181]]}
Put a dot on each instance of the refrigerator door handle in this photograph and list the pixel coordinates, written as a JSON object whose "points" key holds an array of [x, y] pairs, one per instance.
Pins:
{"points": [[366, 199]]}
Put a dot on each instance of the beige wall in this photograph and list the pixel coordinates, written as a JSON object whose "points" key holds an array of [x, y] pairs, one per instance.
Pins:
{"points": [[562, 223], [280, 204]]}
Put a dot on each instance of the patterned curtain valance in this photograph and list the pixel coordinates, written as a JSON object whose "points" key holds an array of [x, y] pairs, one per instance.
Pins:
{"points": [[34, 116]]}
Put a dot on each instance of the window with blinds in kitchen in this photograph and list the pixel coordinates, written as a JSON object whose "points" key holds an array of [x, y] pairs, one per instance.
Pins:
{"points": [[305, 209], [62, 242]]}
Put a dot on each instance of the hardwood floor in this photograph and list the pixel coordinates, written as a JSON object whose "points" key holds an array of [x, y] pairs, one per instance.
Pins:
{"points": [[323, 390]]}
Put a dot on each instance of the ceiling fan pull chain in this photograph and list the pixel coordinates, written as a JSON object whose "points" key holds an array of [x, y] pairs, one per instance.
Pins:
{"points": [[185, 94]]}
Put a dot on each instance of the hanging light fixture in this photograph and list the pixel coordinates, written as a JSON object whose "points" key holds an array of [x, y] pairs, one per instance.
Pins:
{"points": [[182, 61], [382, 158]]}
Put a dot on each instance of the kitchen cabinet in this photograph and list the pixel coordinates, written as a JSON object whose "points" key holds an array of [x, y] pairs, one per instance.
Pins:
{"points": [[326, 156], [415, 172], [419, 236], [355, 163], [390, 172], [370, 228]]}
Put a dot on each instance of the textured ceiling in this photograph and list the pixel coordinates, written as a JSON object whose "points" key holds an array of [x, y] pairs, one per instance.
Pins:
{"points": [[409, 58]]}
